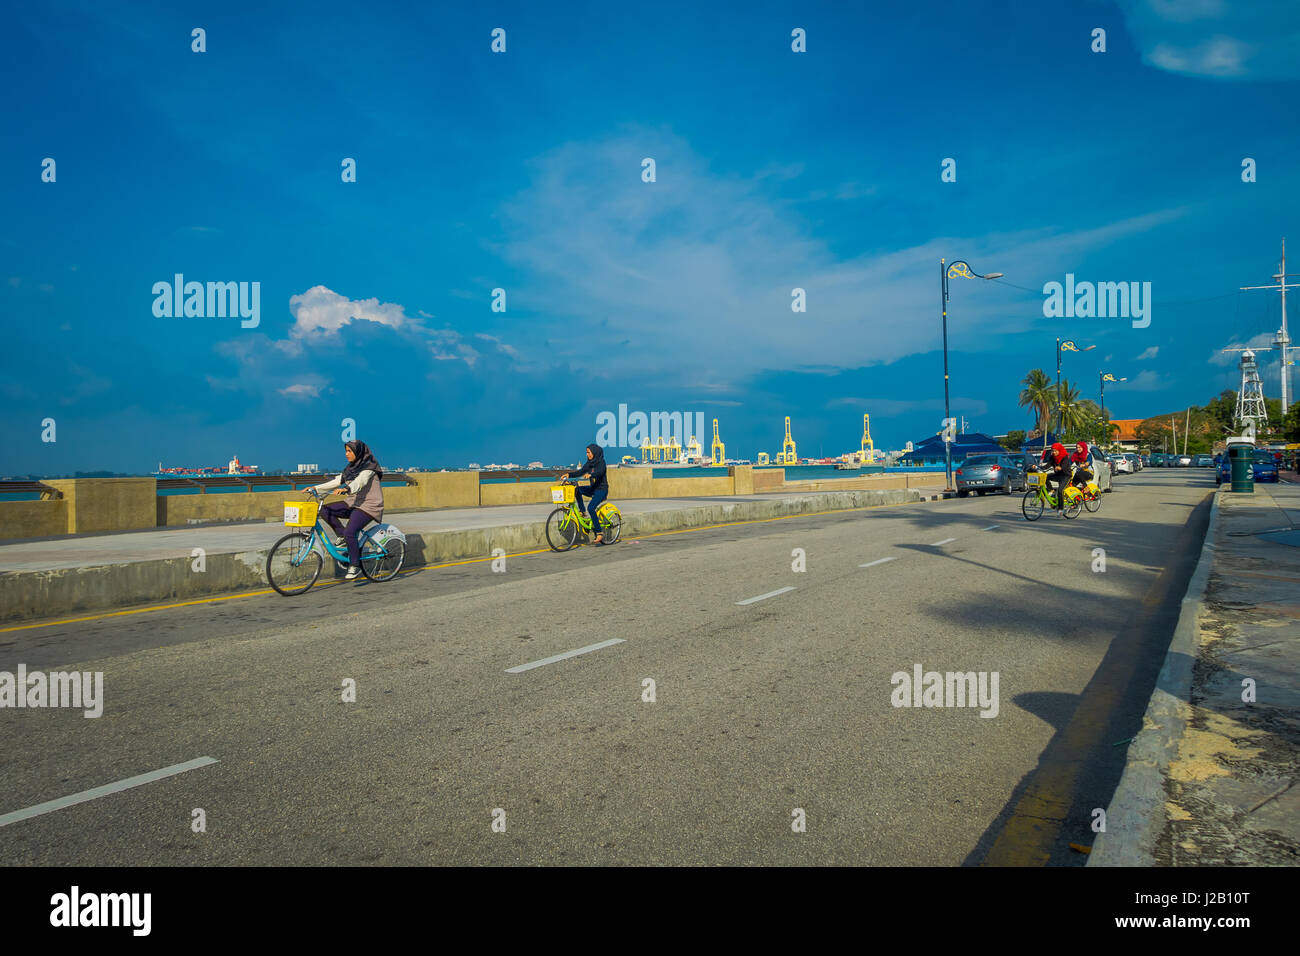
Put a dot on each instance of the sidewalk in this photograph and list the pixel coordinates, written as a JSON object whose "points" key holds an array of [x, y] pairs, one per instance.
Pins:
{"points": [[1210, 779], [44, 578]]}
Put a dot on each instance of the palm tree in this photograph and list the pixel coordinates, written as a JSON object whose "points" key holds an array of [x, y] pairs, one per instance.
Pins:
{"points": [[1090, 422], [1039, 395], [1074, 414]]}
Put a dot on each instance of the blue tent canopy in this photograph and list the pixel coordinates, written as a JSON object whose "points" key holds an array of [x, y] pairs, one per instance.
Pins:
{"points": [[1036, 444], [929, 451]]}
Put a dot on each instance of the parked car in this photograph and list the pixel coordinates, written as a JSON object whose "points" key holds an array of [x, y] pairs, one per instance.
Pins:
{"points": [[1264, 466], [1103, 472], [1203, 461], [984, 473], [1121, 464], [1136, 459]]}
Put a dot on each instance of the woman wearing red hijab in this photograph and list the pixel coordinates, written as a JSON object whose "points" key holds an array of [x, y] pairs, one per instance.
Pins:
{"points": [[1058, 460], [1081, 459]]}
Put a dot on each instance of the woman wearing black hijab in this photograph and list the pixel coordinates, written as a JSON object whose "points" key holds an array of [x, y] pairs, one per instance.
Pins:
{"points": [[364, 502], [599, 489]]}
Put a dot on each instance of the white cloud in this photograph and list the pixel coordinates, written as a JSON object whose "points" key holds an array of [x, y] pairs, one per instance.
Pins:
{"points": [[321, 310], [1221, 57], [1258, 40], [320, 313], [1148, 353], [696, 269], [889, 407], [301, 390], [501, 346], [1147, 381]]}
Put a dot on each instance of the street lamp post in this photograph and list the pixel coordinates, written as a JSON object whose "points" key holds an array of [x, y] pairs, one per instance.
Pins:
{"points": [[1102, 379], [960, 267], [1066, 346]]}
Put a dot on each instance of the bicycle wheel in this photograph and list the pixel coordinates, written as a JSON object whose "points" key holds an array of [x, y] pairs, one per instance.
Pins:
{"points": [[561, 530], [611, 524], [1092, 503], [1032, 505], [293, 565], [1073, 508], [382, 562]]}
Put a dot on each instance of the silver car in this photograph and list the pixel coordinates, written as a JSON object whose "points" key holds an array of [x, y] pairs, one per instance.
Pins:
{"points": [[984, 473]]}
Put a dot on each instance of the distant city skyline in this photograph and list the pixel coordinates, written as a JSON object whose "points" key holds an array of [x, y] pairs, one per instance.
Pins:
{"points": [[329, 214]]}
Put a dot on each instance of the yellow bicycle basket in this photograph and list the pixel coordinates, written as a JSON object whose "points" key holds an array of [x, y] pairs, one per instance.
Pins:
{"points": [[300, 514], [1035, 479], [562, 494]]}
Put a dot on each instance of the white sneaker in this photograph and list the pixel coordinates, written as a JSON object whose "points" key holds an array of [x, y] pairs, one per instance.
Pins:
{"points": [[352, 573]]}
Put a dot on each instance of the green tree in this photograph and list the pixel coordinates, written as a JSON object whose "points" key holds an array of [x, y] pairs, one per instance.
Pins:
{"points": [[1038, 395], [1075, 412], [1090, 427], [1291, 424], [1222, 409], [1154, 433], [1274, 408], [1014, 439]]}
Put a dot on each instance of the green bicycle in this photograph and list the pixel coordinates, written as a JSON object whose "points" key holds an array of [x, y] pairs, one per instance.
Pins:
{"points": [[1037, 498], [566, 522], [295, 562]]}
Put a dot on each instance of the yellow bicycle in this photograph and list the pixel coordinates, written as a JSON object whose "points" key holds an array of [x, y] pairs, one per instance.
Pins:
{"points": [[1037, 498], [566, 522]]}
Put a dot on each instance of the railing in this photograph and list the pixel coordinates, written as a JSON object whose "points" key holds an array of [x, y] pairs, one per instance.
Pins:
{"points": [[45, 492], [250, 483], [523, 474]]}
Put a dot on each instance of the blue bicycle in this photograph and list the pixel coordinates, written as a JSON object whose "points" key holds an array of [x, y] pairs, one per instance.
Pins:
{"points": [[295, 562]]}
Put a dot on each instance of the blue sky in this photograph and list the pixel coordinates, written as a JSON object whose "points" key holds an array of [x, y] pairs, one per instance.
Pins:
{"points": [[522, 171]]}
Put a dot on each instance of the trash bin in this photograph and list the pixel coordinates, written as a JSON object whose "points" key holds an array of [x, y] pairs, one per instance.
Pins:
{"points": [[1239, 465]]}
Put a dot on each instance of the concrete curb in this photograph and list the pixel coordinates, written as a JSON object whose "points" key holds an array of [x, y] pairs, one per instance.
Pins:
{"points": [[25, 595], [1136, 815]]}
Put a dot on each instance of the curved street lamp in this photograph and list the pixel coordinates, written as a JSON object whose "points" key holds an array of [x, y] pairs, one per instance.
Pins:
{"points": [[1102, 379], [959, 268], [1064, 346]]}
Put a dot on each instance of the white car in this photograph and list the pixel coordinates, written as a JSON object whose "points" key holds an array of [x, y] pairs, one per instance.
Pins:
{"points": [[1103, 472], [1121, 464]]}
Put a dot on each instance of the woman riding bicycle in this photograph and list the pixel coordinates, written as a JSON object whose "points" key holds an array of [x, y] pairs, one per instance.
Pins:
{"points": [[599, 490], [364, 503], [1081, 459], [1057, 459]]}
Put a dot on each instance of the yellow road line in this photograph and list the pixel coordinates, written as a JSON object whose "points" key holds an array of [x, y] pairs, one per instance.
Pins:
{"points": [[426, 567]]}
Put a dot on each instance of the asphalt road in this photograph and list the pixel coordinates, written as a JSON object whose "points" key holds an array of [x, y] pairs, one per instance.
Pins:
{"points": [[760, 709]]}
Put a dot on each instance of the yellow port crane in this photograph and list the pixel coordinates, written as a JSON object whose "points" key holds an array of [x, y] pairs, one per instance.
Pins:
{"points": [[693, 449], [719, 449], [672, 451], [788, 454], [868, 449], [763, 458]]}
